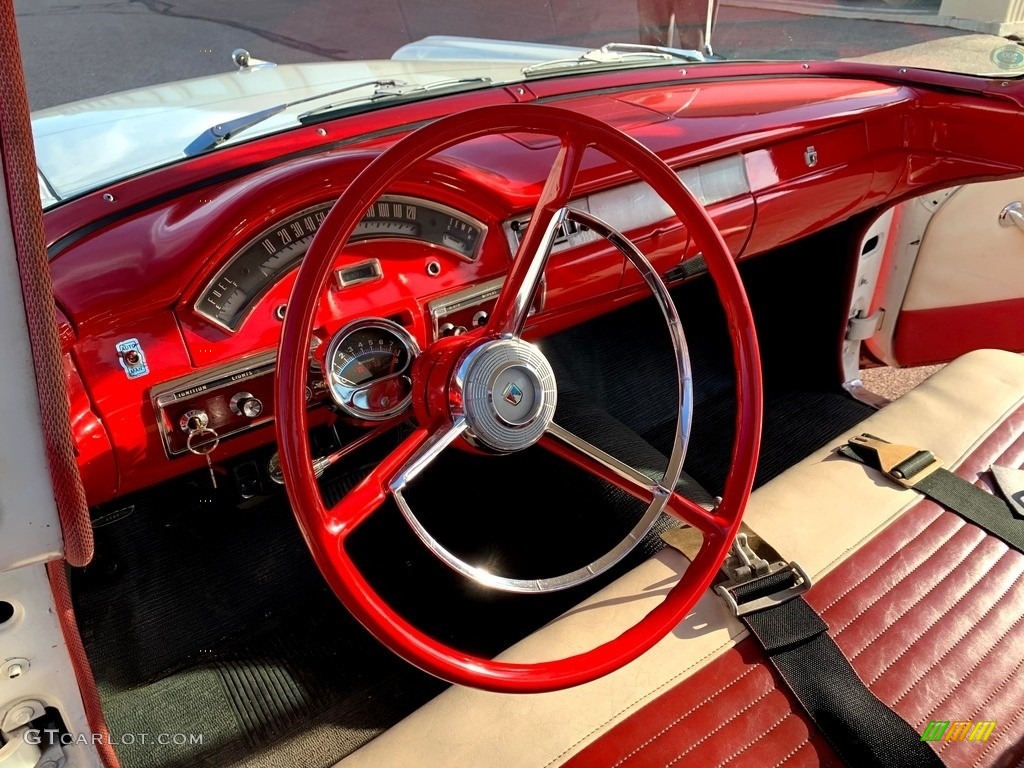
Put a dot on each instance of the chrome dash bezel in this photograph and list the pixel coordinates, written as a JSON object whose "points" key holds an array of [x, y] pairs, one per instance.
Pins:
{"points": [[402, 335]]}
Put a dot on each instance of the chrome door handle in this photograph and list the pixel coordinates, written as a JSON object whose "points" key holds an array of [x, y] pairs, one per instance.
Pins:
{"points": [[1013, 215]]}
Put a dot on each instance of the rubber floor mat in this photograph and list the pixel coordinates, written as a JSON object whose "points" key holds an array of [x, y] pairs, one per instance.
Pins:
{"points": [[220, 625]]}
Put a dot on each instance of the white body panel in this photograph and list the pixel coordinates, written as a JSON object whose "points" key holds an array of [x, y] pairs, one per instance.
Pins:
{"points": [[29, 528], [35, 634], [903, 246]]}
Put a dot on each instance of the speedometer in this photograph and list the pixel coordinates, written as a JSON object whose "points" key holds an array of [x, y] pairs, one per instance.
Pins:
{"points": [[367, 369], [227, 299]]}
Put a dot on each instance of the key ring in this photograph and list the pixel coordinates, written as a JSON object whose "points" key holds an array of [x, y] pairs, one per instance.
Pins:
{"points": [[204, 448]]}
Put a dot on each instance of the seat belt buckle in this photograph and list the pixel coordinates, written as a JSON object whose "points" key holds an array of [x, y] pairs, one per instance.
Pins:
{"points": [[746, 570], [905, 464]]}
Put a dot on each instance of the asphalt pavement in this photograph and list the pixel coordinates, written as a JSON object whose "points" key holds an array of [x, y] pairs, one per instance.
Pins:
{"points": [[896, 382], [88, 48]]}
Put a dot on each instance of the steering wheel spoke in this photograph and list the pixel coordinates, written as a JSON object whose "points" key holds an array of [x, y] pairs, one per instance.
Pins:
{"points": [[593, 460], [427, 449], [637, 483], [520, 290], [410, 458], [703, 519]]}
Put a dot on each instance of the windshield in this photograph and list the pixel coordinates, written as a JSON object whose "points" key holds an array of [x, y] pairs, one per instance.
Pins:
{"points": [[177, 78]]}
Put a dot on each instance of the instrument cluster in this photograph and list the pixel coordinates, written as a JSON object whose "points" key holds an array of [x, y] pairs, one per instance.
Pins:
{"points": [[231, 294]]}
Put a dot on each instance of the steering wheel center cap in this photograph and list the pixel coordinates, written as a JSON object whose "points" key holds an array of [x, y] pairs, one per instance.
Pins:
{"points": [[516, 395], [508, 394]]}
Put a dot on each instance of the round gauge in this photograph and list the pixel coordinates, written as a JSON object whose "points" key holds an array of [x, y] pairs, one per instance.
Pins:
{"points": [[367, 368]]}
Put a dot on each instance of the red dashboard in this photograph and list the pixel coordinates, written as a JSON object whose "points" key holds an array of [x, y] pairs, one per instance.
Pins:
{"points": [[171, 289]]}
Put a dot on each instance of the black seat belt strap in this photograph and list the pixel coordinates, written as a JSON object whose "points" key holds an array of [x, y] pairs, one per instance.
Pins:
{"points": [[922, 471], [766, 597], [860, 728]]}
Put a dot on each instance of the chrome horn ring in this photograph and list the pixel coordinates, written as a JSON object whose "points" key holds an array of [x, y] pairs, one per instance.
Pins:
{"points": [[478, 380]]}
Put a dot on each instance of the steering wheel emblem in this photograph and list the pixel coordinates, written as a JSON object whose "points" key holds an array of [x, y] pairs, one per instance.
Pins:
{"points": [[513, 394], [508, 394]]}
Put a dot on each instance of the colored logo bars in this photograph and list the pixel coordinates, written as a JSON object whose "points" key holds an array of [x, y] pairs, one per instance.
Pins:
{"points": [[958, 730]]}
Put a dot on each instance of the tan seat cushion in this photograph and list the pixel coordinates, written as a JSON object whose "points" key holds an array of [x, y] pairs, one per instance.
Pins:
{"points": [[817, 513]]}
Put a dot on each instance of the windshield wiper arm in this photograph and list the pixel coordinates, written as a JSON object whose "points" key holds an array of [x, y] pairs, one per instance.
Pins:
{"points": [[616, 53], [396, 89], [217, 134], [686, 54]]}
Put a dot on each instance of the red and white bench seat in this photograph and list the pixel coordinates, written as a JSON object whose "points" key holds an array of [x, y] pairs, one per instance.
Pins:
{"points": [[928, 608]]}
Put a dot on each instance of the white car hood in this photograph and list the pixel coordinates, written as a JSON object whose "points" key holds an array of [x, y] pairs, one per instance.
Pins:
{"points": [[86, 144]]}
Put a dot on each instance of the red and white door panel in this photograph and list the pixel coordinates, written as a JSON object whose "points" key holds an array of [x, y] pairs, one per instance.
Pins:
{"points": [[953, 277]]}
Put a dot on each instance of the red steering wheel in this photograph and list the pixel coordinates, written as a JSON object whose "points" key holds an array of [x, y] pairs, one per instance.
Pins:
{"points": [[464, 388]]}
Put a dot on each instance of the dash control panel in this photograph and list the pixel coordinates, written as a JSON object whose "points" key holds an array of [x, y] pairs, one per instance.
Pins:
{"points": [[470, 308], [223, 403]]}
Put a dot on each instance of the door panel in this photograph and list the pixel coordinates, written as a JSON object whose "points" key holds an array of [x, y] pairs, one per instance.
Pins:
{"points": [[966, 290]]}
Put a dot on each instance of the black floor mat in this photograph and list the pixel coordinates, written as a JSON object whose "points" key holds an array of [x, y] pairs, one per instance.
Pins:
{"points": [[220, 625], [172, 581], [795, 424]]}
